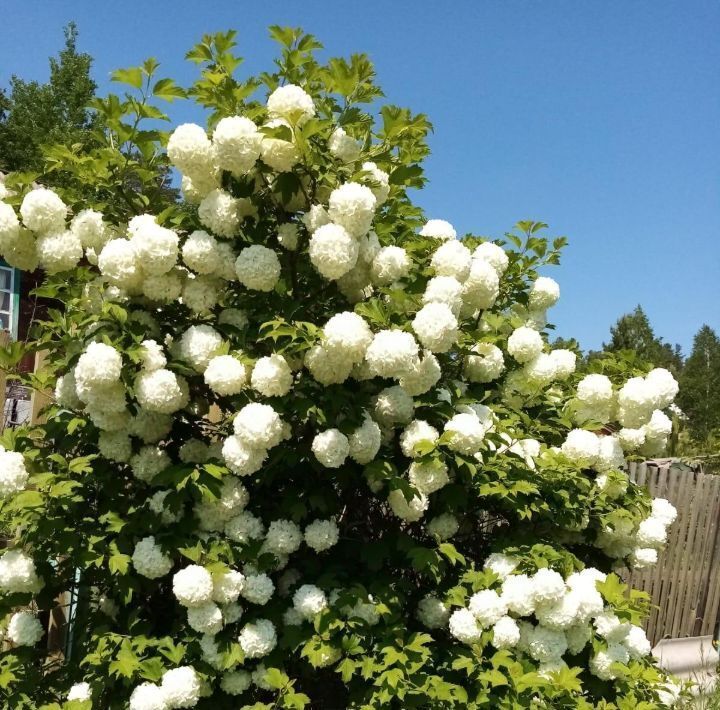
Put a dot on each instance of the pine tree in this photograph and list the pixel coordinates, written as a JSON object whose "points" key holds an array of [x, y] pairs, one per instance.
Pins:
{"points": [[634, 332], [699, 396]]}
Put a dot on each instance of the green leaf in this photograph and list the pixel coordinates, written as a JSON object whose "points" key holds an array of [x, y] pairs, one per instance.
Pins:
{"points": [[132, 77], [168, 90]]}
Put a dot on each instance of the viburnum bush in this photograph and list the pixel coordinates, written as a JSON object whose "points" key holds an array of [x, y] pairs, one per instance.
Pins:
{"points": [[307, 447]]}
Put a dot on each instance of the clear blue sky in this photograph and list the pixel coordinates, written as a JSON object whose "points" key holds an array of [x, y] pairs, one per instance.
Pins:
{"points": [[600, 117]]}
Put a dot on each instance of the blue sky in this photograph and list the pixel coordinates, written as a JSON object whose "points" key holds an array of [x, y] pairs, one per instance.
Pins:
{"points": [[601, 118]]}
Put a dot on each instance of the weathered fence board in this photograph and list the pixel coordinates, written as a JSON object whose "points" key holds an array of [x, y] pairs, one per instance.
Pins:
{"points": [[685, 584]]}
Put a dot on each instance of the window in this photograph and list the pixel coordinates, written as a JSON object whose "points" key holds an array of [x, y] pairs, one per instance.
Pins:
{"points": [[9, 282]]}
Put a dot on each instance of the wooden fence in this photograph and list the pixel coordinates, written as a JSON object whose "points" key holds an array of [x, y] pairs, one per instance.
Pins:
{"points": [[685, 584]]}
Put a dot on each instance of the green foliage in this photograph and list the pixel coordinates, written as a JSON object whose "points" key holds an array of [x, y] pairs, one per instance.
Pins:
{"points": [[34, 115], [699, 397]]}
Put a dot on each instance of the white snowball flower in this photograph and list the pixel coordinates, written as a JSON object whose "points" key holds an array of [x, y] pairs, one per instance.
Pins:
{"points": [[389, 265], [595, 390], [24, 629], [315, 218], [548, 586], [443, 526], [392, 353], [152, 355], [113, 445], [280, 155], [381, 182], [333, 252], [393, 405], [199, 344], [343, 146], [488, 607], [636, 402], [431, 612], [485, 363], [565, 362], [436, 327], [506, 633], [193, 586], [200, 252], [663, 385], [410, 511], [242, 458], [601, 663], [155, 246], [349, 334], [272, 376], [220, 213], [18, 574], [327, 366], [637, 642], [164, 288], [291, 103], [258, 268], [578, 637], [464, 627], [452, 258], [161, 391], [428, 477], [309, 601], [651, 532], [659, 426], [416, 432], [205, 619], [525, 344], [244, 527], [481, 288], [581, 447], [546, 645], [42, 211], [181, 687], [643, 557], [189, 148], [227, 586], [321, 535], [352, 206], [331, 448], [664, 511], [493, 255], [544, 294], [423, 375], [100, 365], [631, 439], [438, 229], [517, 594], [225, 375], [80, 692], [235, 317], [149, 559], [13, 474], [466, 433], [259, 425], [444, 289], [9, 226], [235, 682], [148, 696], [237, 144], [258, 639], [610, 454], [58, 251], [283, 537], [365, 441], [287, 235], [194, 189]]}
